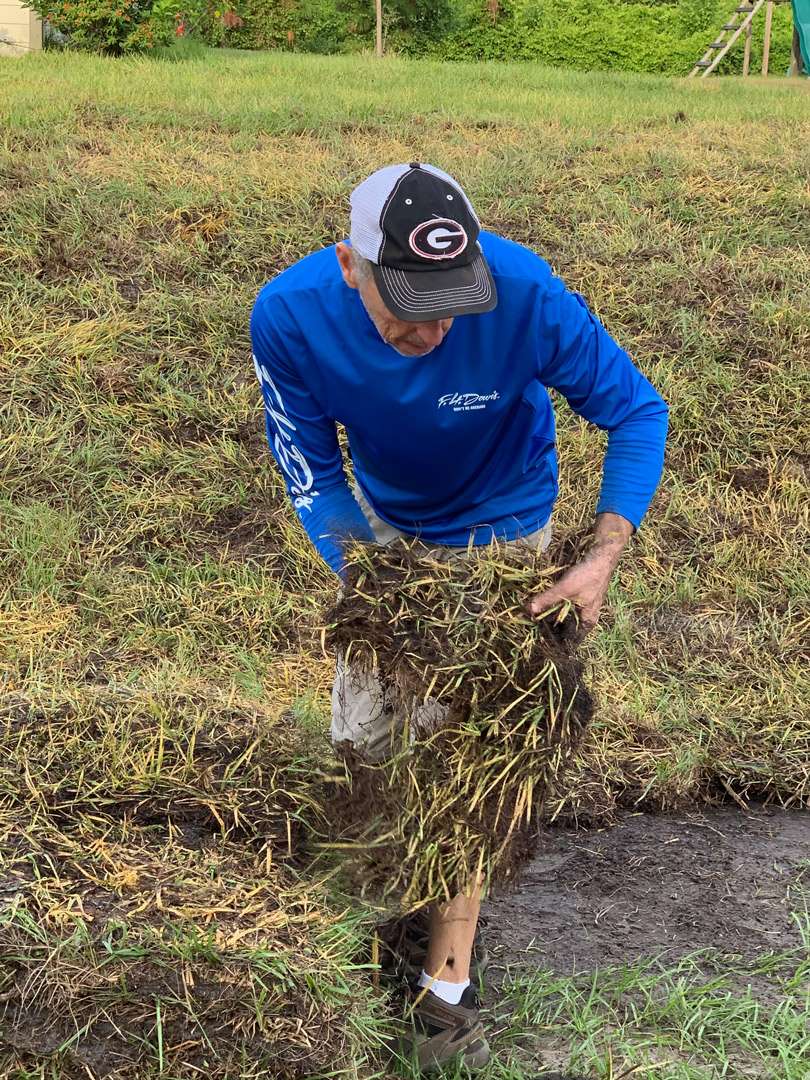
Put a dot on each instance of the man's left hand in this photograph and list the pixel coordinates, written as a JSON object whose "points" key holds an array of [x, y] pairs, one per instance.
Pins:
{"points": [[586, 583]]}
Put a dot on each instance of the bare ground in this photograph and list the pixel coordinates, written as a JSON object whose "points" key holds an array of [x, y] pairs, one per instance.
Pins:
{"points": [[656, 885], [652, 886]]}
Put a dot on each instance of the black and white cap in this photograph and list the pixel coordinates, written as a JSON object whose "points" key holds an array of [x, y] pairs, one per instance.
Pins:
{"points": [[418, 228]]}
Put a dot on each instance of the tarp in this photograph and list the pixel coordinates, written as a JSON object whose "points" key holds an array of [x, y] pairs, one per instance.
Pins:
{"points": [[801, 20]]}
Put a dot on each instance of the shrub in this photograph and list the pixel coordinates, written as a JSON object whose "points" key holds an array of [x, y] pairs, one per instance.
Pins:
{"points": [[416, 24], [110, 26], [124, 26], [310, 25], [200, 20], [328, 26]]}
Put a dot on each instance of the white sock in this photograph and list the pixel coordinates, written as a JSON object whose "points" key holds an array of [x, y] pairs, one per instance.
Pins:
{"points": [[447, 991]]}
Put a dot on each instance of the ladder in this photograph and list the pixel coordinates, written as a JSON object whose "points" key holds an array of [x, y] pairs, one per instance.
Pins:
{"points": [[739, 23]]}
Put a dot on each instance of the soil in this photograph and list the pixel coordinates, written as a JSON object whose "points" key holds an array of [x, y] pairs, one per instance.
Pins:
{"points": [[653, 885], [656, 886]]}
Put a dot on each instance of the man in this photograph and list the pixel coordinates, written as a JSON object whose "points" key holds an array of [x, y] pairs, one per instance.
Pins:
{"points": [[434, 344]]}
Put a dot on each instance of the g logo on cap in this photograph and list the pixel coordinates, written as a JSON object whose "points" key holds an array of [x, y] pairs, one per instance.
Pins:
{"points": [[439, 238]]}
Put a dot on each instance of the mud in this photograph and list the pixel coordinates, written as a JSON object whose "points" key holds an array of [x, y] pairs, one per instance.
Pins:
{"points": [[656, 886]]}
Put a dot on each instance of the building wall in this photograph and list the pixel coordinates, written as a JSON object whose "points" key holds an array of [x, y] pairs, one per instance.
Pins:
{"points": [[20, 29]]}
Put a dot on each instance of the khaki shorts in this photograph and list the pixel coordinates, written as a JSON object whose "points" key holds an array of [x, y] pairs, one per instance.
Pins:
{"points": [[360, 712]]}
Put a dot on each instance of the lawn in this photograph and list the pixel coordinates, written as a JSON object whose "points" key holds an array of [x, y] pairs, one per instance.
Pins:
{"points": [[162, 691]]}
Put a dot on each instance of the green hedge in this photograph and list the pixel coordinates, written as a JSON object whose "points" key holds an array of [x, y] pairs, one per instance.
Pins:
{"points": [[312, 26], [665, 36], [411, 26]]}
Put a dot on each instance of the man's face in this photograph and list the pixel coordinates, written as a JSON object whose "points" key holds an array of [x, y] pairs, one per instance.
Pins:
{"points": [[408, 338]]}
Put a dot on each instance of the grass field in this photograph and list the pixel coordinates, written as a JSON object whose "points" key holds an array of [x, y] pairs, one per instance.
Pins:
{"points": [[163, 693]]}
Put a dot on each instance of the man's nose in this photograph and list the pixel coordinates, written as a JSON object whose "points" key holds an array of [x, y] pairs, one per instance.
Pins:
{"points": [[431, 333]]}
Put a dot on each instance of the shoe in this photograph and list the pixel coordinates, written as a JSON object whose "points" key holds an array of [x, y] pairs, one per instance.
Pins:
{"points": [[436, 1033], [403, 948]]}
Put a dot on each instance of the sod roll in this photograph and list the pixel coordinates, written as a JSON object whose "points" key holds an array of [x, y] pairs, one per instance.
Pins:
{"points": [[492, 704]]}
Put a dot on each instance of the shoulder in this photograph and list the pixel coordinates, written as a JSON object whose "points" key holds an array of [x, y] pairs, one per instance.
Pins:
{"points": [[305, 284], [508, 259]]}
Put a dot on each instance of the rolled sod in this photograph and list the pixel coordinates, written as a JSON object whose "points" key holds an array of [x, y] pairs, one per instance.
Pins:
{"points": [[151, 920], [493, 700]]}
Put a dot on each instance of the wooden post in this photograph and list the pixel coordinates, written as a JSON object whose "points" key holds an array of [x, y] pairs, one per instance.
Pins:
{"points": [[796, 58], [379, 28], [766, 48], [747, 57]]}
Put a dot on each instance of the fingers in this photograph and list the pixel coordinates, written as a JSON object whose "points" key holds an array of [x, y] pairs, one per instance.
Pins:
{"points": [[538, 605], [589, 617]]}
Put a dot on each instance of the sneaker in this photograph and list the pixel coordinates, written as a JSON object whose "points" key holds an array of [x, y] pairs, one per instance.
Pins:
{"points": [[403, 948], [436, 1033]]}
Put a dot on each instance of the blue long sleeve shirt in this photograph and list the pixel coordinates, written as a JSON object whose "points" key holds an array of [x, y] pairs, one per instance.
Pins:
{"points": [[459, 443]]}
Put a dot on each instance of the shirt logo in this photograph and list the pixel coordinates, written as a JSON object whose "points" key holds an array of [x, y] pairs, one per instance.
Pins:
{"points": [[439, 238], [293, 463], [467, 402]]}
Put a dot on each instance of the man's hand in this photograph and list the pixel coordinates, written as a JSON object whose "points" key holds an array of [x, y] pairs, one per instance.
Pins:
{"points": [[586, 583]]}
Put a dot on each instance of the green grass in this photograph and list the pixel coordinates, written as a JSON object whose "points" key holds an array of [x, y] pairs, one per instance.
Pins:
{"points": [[705, 1017], [256, 93], [709, 1016], [144, 541]]}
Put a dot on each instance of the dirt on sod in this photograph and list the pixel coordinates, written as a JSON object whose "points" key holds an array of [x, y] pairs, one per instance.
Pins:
{"points": [[493, 704]]}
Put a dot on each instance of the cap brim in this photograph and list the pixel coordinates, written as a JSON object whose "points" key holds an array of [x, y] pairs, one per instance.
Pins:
{"points": [[422, 295]]}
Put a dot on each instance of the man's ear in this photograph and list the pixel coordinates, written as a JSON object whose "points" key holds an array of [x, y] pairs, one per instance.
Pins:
{"points": [[346, 260]]}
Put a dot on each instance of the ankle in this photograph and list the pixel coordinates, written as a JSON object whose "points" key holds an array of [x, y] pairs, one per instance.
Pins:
{"points": [[447, 990]]}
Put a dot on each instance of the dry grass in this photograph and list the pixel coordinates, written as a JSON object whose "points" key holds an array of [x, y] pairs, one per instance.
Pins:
{"points": [[151, 922], [144, 541]]}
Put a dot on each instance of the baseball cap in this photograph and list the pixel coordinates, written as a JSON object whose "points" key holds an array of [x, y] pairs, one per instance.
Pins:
{"points": [[418, 229]]}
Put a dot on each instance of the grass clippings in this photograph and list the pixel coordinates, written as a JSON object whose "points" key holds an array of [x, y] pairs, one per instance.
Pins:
{"points": [[494, 702]]}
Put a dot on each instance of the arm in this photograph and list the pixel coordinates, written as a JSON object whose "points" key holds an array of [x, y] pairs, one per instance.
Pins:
{"points": [[601, 384], [304, 443]]}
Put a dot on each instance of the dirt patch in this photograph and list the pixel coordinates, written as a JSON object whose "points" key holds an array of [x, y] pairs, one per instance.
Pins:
{"points": [[189, 430], [16, 175], [755, 478], [657, 885], [89, 113], [129, 289], [244, 532]]}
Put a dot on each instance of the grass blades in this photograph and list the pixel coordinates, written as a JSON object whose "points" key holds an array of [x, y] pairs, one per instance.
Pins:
{"points": [[151, 920], [708, 1016], [147, 553]]}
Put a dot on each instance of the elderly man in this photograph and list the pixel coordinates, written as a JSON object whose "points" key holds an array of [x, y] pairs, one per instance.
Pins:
{"points": [[435, 344]]}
